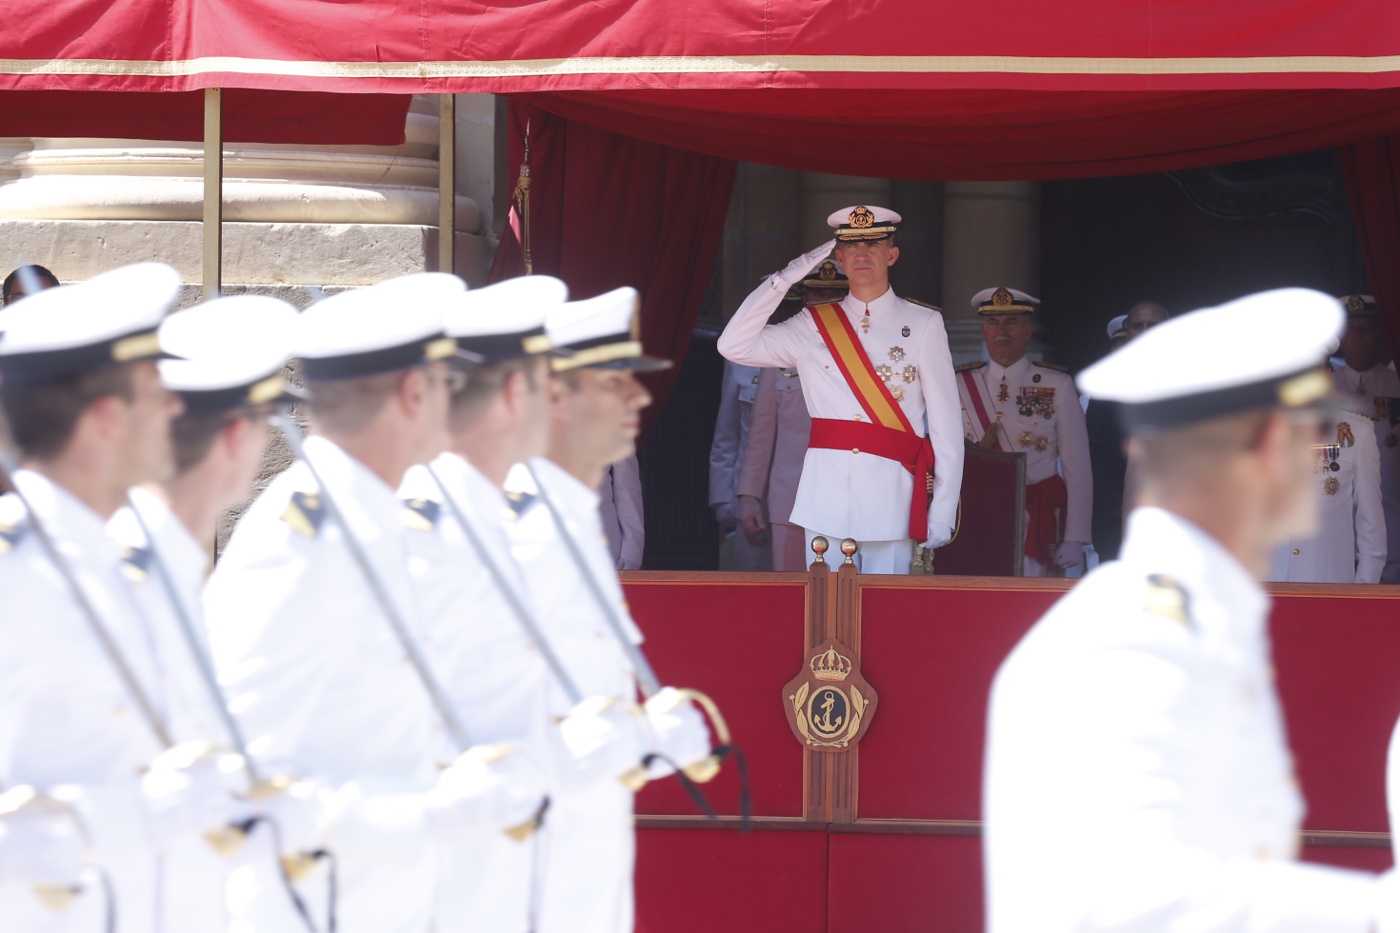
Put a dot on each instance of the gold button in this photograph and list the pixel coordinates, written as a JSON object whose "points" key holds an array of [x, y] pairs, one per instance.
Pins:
{"points": [[855, 450], [858, 417], [1295, 551]]}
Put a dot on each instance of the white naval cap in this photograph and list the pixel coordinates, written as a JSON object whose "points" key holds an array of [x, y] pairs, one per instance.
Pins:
{"points": [[602, 333], [858, 222], [1189, 368], [1002, 300], [231, 353], [394, 324], [505, 321], [106, 320], [1359, 305], [1118, 327]]}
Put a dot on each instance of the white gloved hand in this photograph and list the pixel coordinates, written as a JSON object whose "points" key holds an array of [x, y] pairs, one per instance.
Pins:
{"points": [[678, 733], [797, 270], [490, 788], [41, 841], [1069, 554], [939, 534], [603, 740], [194, 789], [297, 808]]}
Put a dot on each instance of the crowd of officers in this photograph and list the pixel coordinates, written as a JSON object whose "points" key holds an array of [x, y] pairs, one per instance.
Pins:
{"points": [[406, 698], [771, 486]]}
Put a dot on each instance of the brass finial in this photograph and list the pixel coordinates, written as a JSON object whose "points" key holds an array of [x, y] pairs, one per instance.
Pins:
{"points": [[819, 546], [849, 548]]}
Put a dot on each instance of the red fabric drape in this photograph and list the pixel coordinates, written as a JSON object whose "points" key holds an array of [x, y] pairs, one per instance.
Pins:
{"points": [[1372, 172], [608, 210]]}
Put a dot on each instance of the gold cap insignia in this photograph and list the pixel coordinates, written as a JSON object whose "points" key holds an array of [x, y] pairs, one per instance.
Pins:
{"points": [[827, 273], [1001, 298], [861, 218], [1355, 304]]}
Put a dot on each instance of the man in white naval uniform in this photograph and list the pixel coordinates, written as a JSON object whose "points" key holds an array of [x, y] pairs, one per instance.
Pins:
{"points": [[889, 389], [318, 676], [596, 403], [1137, 774], [1017, 406], [1350, 543], [738, 385], [229, 379], [89, 418], [1374, 389]]}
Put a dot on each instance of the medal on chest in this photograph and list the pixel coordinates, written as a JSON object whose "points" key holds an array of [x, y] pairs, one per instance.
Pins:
{"points": [[1036, 402], [1344, 436], [1328, 464]]}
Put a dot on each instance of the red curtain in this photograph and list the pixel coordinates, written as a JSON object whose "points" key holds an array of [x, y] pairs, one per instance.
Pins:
{"points": [[1372, 172], [608, 210]]}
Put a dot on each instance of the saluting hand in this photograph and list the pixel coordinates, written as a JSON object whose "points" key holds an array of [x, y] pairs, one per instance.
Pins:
{"points": [[797, 270]]}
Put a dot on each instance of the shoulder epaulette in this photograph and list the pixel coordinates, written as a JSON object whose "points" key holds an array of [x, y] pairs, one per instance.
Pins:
{"points": [[10, 534], [1166, 597], [305, 513], [136, 563], [969, 367], [1055, 366], [421, 514], [924, 304], [1357, 414]]}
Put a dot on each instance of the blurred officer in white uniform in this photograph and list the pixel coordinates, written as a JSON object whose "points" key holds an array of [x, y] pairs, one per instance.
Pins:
{"points": [[738, 386], [1350, 543], [1014, 405], [884, 464], [1374, 389], [90, 418], [1138, 776], [320, 678], [596, 401]]}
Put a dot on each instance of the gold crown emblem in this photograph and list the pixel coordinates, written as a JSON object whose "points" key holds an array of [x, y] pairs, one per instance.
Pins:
{"points": [[1355, 304], [831, 666], [827, 273], [1001, 298], [861, 218]]}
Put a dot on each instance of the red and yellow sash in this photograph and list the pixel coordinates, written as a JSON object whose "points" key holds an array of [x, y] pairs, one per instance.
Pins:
{"points": [[888, 434]]}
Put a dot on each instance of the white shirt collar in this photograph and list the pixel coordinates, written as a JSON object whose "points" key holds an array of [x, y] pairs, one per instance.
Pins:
{"points": [[355, 487], [68, 520], [885, 302], [1012, 373]]}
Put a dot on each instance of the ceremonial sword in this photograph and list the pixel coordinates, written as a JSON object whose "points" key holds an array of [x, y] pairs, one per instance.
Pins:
{"points": [[701, 771], [436, 695]]}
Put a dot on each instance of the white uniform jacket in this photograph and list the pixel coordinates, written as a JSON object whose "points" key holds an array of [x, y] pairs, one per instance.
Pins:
{"points": [[1040, 416], [68, 721], [496, 678], [1350, 543], [590, 845], [1137, 775], [321, 685], [1377, 392], [843, 493]]}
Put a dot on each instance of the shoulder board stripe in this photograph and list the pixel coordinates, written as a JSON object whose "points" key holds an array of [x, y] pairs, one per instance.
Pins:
{"points": [[1055, 366], [305, 513], [969, 367], [10, 536], [421, 514], [924, 304]]}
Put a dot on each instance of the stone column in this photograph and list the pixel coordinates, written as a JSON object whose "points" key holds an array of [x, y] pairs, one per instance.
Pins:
{"points": [[294, 215], [991, 236]]}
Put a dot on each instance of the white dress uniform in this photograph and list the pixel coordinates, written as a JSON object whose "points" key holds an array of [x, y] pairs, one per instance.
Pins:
{"points": [[773, 455], [1137, 774], [621, 511], [321, 684], [70, 721], [738, 387], [588, 839], [858, 495], [1040, 416], [498, 681], [1350, 544], [1377, 392]]}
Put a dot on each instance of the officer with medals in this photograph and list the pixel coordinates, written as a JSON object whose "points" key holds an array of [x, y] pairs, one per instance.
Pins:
{"points": [[1137, 772], [1350, 543], [317, 631], [595, 409], [95, 691], [1373, 388], [228, 376], [1014, 405], [884, 460]]}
